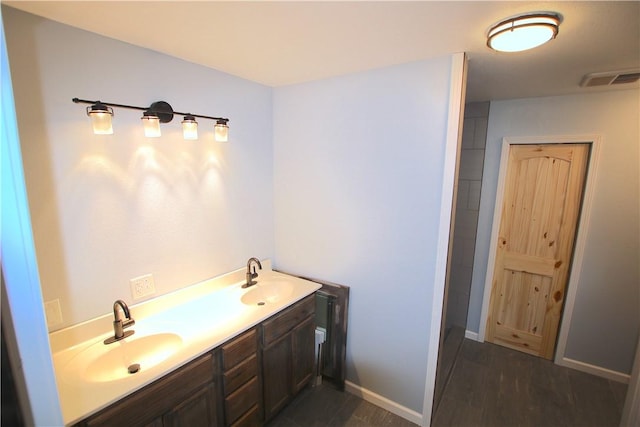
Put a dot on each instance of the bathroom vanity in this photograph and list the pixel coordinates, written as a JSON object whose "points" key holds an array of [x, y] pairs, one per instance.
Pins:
{"points": [[214, 354]]}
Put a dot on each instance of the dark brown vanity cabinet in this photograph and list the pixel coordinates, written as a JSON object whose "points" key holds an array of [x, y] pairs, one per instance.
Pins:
{"points": [[185, 397], [287, 354], [241, 384]]}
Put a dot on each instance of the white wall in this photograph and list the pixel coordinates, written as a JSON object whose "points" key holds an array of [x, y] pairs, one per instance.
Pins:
{"points": [[606, 315], [354, 175], [23, 325], [106, 209], [358, 174]]}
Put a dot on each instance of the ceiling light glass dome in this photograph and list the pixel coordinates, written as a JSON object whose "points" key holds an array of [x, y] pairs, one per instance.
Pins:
{"points": [[523, 32]]}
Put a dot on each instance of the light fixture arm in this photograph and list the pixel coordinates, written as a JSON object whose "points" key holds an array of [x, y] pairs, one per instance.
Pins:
{"points": [[161, 108]]}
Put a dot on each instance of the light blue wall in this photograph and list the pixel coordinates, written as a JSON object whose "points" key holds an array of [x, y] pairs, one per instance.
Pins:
{"points": [[108, 208], [339, 179], [606, 315], [358, 165]]}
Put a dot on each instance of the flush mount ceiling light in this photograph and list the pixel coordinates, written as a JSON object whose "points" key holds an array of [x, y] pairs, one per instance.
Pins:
{"points": [[158, 112], [523, 32]]}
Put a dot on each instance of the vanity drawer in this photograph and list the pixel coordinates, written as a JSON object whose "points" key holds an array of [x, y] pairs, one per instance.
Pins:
{"points": [[240, 401], [251, 418], [282, 323], [239, 375], [239, 349]]}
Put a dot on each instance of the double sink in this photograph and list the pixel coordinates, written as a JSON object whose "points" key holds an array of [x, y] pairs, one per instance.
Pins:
{"points": [[150, 346], [91, 374]]}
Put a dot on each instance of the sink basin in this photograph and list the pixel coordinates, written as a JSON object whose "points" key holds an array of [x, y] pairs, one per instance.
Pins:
{"points": [[104, 363], [267, 292]]}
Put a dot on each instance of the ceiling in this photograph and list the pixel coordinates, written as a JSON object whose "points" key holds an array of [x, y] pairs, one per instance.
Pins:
{"points": [[282, 43]]}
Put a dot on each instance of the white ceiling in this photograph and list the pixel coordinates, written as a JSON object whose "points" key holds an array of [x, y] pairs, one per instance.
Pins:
{"points": [[282, 43]]}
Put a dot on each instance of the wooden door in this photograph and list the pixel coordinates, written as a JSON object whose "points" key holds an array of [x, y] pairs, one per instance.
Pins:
{"points": [[304, 336], [540, 210], [276, 372], [198, 410]]}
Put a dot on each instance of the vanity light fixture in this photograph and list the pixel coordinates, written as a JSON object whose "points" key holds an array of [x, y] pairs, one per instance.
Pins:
{"points": [[158, 112], [523, 32]]}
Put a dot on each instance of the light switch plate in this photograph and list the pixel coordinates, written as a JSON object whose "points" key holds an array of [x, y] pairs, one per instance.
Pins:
{"points": [[142, 286]]}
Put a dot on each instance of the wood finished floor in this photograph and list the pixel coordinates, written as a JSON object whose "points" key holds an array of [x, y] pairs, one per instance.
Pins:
{"points": [[325, 406], [490, 386], [493, 386]]}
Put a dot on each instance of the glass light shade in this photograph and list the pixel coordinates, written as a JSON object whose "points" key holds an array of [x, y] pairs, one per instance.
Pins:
{"points": [[221, 131], [151, 125], [101, 118], [190, 127], [523, 33]]}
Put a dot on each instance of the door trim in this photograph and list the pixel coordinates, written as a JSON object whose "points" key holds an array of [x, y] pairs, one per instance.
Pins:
{"points": [[457, 93], [581, 233]]}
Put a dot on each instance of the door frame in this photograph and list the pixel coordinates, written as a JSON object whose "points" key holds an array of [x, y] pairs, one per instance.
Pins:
{"points": [[581, 232], [457, 93]]}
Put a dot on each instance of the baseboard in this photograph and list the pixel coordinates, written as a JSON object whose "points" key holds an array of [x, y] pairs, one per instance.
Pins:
{"points": [[383, 402], [471, 335], [594, 370]]}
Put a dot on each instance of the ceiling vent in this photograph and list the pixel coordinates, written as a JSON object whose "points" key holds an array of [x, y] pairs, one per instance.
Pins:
{"points": [[610, 78]]}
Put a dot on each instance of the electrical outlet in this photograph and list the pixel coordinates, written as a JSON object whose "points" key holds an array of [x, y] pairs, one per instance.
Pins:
{"points": [[142, 286], [53, 313]]}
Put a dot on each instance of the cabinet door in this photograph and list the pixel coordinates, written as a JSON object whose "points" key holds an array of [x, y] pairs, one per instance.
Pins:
{"points": [[303, 354], [199, 410], [276, 364]]}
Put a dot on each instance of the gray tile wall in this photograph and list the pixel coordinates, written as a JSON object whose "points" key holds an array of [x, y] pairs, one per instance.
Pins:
{"points": [[474, 136]]}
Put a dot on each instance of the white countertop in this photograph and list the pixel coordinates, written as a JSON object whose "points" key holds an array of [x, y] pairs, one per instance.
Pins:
{"points": [[203, 315]]}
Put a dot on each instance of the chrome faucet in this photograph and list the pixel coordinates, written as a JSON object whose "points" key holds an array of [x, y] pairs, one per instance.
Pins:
{"points": [[120, 325], [252, 274]]}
